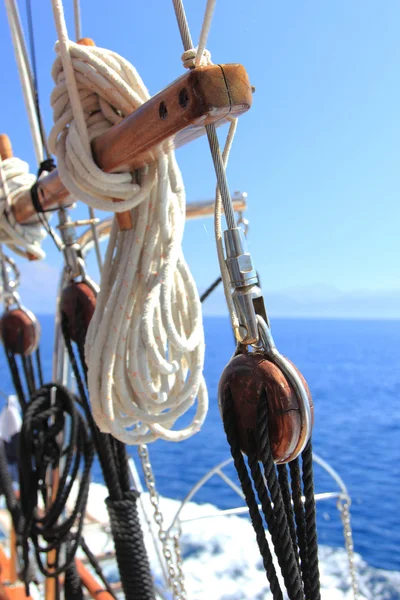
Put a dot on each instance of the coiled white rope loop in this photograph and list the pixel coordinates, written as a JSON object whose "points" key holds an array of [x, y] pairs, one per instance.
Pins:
{"points": [[145, 343], [16, 180]]}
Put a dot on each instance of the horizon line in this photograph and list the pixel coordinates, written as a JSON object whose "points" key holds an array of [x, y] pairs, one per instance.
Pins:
{"points": [[282, 316]]}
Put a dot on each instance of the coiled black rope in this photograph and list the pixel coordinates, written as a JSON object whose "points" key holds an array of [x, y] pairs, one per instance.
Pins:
{"points": [[50, 415], [291, 522], [132, 559]]}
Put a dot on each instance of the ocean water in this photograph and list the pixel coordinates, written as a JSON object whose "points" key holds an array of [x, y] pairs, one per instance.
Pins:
{"points": [[353, 371]]}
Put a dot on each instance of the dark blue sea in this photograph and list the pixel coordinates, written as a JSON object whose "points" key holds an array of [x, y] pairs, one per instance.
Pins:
{"points": [[353, 371]]}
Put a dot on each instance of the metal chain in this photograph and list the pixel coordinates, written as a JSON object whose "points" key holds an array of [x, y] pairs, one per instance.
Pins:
{"points": [[178, 560], [343, 505], [173, 559]]}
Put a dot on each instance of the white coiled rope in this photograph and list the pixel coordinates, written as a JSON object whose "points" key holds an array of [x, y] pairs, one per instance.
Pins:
{"points": [[15, 180], [145, 343]]}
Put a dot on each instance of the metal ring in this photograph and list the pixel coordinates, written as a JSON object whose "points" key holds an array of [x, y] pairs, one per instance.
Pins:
{"points": [[292, 375]]}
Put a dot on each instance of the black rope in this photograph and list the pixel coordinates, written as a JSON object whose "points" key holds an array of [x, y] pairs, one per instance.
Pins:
{"points": [[311, 525], [298, 507], [29, 374], [21, 364], [35, 77], [39, 367], [46, 165], [102, 441], [133, 563], [292, 526], [209, 290], [132, 560], [45, 418], [16, 377], [72, 583], [279, 541], [287, 500], [256, 519], [285, 551], [96, 566]]}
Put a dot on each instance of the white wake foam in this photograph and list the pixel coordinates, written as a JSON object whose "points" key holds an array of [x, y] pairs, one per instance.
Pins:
{"points": [[222, 561]]}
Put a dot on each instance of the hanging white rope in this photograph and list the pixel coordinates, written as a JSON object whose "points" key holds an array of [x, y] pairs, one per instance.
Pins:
{"points": [[15, 180], [145, 344]]}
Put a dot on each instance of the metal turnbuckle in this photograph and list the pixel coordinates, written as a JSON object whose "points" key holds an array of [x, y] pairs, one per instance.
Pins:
{"points": [[247, 296]]}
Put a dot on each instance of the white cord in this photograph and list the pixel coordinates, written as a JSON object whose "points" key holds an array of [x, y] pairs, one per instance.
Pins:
{"points": [[15, 180], [205, 29], [145, 343]]}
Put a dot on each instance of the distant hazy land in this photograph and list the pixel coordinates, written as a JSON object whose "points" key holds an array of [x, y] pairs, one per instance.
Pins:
{"points": [[39, 284]]}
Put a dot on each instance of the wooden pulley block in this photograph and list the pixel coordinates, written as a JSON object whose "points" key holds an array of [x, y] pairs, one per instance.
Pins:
{"points": [[77, 302], [20, 331], [245, 379]]}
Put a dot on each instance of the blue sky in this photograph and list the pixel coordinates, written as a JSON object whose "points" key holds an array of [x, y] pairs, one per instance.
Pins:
{"points": [[318, 154]]}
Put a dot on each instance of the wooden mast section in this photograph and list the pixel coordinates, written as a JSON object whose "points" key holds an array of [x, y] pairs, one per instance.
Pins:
{"points": [[170, 119]]}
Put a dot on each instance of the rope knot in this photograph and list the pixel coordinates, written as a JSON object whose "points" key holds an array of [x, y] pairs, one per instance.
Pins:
{"points": [[46, 165], [189, 58]]}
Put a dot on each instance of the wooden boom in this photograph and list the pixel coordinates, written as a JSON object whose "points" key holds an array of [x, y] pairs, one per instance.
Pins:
{"points": [[172, 118]]}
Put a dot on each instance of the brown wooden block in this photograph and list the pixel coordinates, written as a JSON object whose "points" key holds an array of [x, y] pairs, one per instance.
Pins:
{"points": [[20, 332], [77, 302], [246, 377]]}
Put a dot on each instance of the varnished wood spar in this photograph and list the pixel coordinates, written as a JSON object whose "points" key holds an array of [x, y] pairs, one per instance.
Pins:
{"points": [[172, 118], [5, 147], [9, 589], [94, 588], [201, 96]]}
